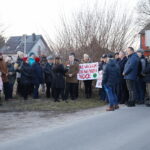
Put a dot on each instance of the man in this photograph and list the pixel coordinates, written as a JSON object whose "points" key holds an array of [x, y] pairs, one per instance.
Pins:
{"points": [[147, 81], [87, 83], [71, 78], [130, 73], [17, 67], [140, 84], [117, 57], [102, 65], [111, 77], [48, 73], [122, 91]]}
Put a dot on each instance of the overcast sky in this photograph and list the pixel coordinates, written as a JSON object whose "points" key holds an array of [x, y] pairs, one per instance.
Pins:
{"points": [[28, 16]]}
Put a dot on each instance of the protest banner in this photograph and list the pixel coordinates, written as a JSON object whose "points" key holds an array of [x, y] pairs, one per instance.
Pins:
{"points": [[99, 80], [88, 71]]}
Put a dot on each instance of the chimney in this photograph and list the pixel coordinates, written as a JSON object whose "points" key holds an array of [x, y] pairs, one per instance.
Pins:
{"points": [[34, 37]]}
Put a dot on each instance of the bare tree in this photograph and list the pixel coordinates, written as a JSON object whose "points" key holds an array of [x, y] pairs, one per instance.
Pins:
{"points": [[95, 31], [143, 10], [2, 38]]}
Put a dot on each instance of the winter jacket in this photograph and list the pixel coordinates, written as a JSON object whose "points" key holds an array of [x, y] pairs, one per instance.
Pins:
{"points": [[26, 73], [131, 67], [4, 71], [72, 69], [37, 74], [58, 79], [111, 74], [48, 73]]}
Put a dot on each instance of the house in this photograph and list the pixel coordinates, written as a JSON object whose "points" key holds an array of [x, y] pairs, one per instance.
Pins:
{"points": [[27, 44], [145, 39]]}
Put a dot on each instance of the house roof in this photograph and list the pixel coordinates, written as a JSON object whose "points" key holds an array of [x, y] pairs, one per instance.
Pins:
{"points": [[147, 27], [16, 43]]}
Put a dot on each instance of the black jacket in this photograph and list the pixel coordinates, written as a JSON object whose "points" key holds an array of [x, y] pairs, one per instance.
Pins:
{"points": [[147, 72], [58, 80], [48, 73], [26, 73], [111, 74]]}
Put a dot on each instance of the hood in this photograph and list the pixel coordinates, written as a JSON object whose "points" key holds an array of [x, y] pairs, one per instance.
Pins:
{"points": [[112, 62]]}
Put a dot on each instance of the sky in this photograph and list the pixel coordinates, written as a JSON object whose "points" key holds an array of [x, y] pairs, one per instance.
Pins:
{"points": [[42, 16]]}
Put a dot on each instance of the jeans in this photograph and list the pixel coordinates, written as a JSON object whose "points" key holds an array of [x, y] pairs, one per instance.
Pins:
{"points": [[111, 94]]}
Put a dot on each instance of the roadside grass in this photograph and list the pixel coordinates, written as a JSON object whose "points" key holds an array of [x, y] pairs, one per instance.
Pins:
{"points": [[44, 104]]}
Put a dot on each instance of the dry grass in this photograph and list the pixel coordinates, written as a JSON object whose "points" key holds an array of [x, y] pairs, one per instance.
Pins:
{"points": [[49, 105]]}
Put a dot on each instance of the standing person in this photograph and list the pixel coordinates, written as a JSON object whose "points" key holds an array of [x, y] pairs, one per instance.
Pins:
{"points": [[87, 83], [4, 71], [140, 83], [77, 84], [102, 65], [26, 78], [58, 83], [130, 74], [147, 81], [48, 73], [122, 91], [11, 75], [43, 62], [37, 77], [71, 78], [111, 77], [117, 57], [17, 66], [1, 88]]}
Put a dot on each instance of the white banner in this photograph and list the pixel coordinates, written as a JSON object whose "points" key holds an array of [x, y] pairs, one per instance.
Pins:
{"points": [[88, 71], [99, 80]]}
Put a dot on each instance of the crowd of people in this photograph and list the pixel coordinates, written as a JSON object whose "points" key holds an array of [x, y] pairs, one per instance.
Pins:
{"points": [[126, 77]]}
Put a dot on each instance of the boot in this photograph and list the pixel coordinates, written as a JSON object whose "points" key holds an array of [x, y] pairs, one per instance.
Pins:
{"points": [[111, 108], [1, 102], [131, 104], [116, 107]]}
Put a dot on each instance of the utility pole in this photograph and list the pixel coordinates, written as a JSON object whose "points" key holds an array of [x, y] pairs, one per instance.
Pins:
{"points": [[25, 43]]}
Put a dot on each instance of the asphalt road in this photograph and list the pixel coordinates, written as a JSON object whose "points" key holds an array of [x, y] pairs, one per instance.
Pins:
{"points": [[123, 129]]}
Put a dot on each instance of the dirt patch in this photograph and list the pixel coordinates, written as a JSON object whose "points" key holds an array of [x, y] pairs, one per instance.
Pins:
{"points": [[19, 124]]}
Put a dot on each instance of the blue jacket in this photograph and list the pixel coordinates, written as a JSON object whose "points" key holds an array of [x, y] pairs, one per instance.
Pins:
{"points": [[111, 74], [37, 74], [131, 67]]}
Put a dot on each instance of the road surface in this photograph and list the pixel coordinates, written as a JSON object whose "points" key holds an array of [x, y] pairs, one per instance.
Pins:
{"points": [[123, 129]]}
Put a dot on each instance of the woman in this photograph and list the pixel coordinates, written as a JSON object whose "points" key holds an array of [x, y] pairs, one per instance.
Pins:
{"points": [[4, 75], [26, 77], [37, 77], [58, 83], [87, 83], [11, 75]]}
